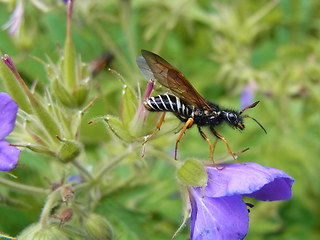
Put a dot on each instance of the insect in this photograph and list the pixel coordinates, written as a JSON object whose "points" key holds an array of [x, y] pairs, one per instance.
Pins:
{"points": [[186, 103]]}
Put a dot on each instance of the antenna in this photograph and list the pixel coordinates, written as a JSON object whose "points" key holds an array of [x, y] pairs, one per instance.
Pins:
{"points": [[250, 106], [247, 116]]}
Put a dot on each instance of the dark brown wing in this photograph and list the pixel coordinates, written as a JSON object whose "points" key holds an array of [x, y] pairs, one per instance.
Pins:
{"points": [[174, 80]]}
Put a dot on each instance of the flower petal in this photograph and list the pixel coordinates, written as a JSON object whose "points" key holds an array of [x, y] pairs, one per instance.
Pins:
{"points": [[75, 179], [251, 179], [8, 113], [246, 97], [218, 218], [8, 156], [279, 189]]}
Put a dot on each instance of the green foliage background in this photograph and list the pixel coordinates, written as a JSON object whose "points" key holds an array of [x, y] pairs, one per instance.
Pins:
{"points": [[219, 46]]}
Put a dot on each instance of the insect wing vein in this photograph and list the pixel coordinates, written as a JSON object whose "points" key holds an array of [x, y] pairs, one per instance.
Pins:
{"points": [[173, 79]]}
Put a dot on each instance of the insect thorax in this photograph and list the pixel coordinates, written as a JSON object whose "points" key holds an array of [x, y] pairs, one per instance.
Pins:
{"points": [[206, 117]]}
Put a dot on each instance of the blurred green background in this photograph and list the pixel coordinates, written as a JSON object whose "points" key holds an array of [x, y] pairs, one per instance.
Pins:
{"points": [[222, 47]]}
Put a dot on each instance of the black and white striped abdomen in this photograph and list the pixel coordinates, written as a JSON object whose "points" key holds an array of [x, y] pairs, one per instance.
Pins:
{"points": [[167, 103]]}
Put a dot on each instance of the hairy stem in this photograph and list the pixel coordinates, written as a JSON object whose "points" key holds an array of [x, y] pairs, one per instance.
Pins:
{"points": [[51, 200], [160, 154], [23, 188], [115, 161], [82, 169]]}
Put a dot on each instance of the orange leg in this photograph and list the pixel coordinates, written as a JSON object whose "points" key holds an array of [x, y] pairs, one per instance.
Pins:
{"points": [[210, 146], [187, 125], [225, 141], [214, 145], [155, 131]]}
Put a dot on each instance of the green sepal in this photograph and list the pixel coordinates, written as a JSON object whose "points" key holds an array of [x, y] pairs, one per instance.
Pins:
{"points": [[129, 104], [75, 119], [37, 149], [68, 151], [80, 95], [117, 127], [14, 88], [192, 173], [46, 119], [69, 64], [62, 94]]}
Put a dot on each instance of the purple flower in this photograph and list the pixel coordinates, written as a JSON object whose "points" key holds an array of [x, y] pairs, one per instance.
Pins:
{"points": [[8, 112], [222, 214], [248, 93], [75, 179], [15, 20], [142, 113]]}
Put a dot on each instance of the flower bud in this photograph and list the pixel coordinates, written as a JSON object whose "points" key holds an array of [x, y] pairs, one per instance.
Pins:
{"points": [[36, 232], [68, 151], [65, 216], [98, 228], [192, 173], [67, 194]]}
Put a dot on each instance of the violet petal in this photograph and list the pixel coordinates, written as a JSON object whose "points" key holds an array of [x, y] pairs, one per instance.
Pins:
{"points": [[247, 179], [8, 156], [246, 97], [8, 113], [15, 19], [279, 189], [75, 179], [218, 218]]}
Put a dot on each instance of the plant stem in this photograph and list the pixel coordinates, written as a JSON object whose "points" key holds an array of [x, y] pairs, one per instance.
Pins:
{"points": [[115, 161], [2, 235], [82, 169], [23, 188], [160, 154], [126, 23], [113, 48], [82, 186], [263, 12], [45, 214]]}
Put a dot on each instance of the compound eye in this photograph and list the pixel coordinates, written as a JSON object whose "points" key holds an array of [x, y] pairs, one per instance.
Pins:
{"points": [[232, 117]]}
